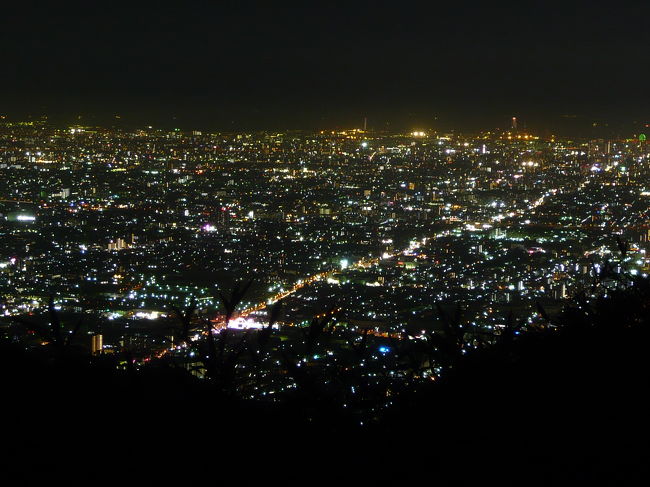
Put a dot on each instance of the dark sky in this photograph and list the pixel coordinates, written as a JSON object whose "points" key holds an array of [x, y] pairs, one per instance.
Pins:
{"points": [[328, 64]]}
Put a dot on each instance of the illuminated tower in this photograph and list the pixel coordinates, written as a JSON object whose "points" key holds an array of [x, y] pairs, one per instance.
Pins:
{"points": [[514, 123]]}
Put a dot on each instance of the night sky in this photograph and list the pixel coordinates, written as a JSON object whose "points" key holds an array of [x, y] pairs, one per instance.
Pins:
{"points": [[275, 65]]}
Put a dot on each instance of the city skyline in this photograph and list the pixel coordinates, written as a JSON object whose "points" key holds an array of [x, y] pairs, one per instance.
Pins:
{"points": [[374, 239]]}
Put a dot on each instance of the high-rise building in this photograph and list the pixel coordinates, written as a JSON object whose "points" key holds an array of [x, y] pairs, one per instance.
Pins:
{"points": [[96, 344]]}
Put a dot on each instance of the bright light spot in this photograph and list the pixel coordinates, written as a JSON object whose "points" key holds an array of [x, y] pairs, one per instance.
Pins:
{"points": [[153, 315], [242, 323]]}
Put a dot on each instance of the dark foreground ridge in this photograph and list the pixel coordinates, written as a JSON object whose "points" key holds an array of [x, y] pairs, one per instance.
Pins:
{"points": [[562, 405]]}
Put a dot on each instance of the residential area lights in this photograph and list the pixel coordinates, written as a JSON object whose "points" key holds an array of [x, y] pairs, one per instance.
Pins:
{"points": [[382, 225]]}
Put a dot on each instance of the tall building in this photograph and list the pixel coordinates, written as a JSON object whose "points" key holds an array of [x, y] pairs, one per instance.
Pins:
{"points": [[96, 344]]}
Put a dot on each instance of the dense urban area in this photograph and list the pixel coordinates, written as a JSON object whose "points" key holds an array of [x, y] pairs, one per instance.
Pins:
{"points": [[363, 242], [143, 244]]}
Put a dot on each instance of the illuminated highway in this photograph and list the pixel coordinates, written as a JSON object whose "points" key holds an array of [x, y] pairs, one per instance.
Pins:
{"points": [[302, 283]]}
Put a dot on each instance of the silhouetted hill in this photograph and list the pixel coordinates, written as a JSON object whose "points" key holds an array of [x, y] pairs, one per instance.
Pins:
{"points": [[559, 406]]}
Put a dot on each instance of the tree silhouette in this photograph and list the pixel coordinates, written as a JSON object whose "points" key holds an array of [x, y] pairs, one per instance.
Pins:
{"points": [[53, 332]]}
